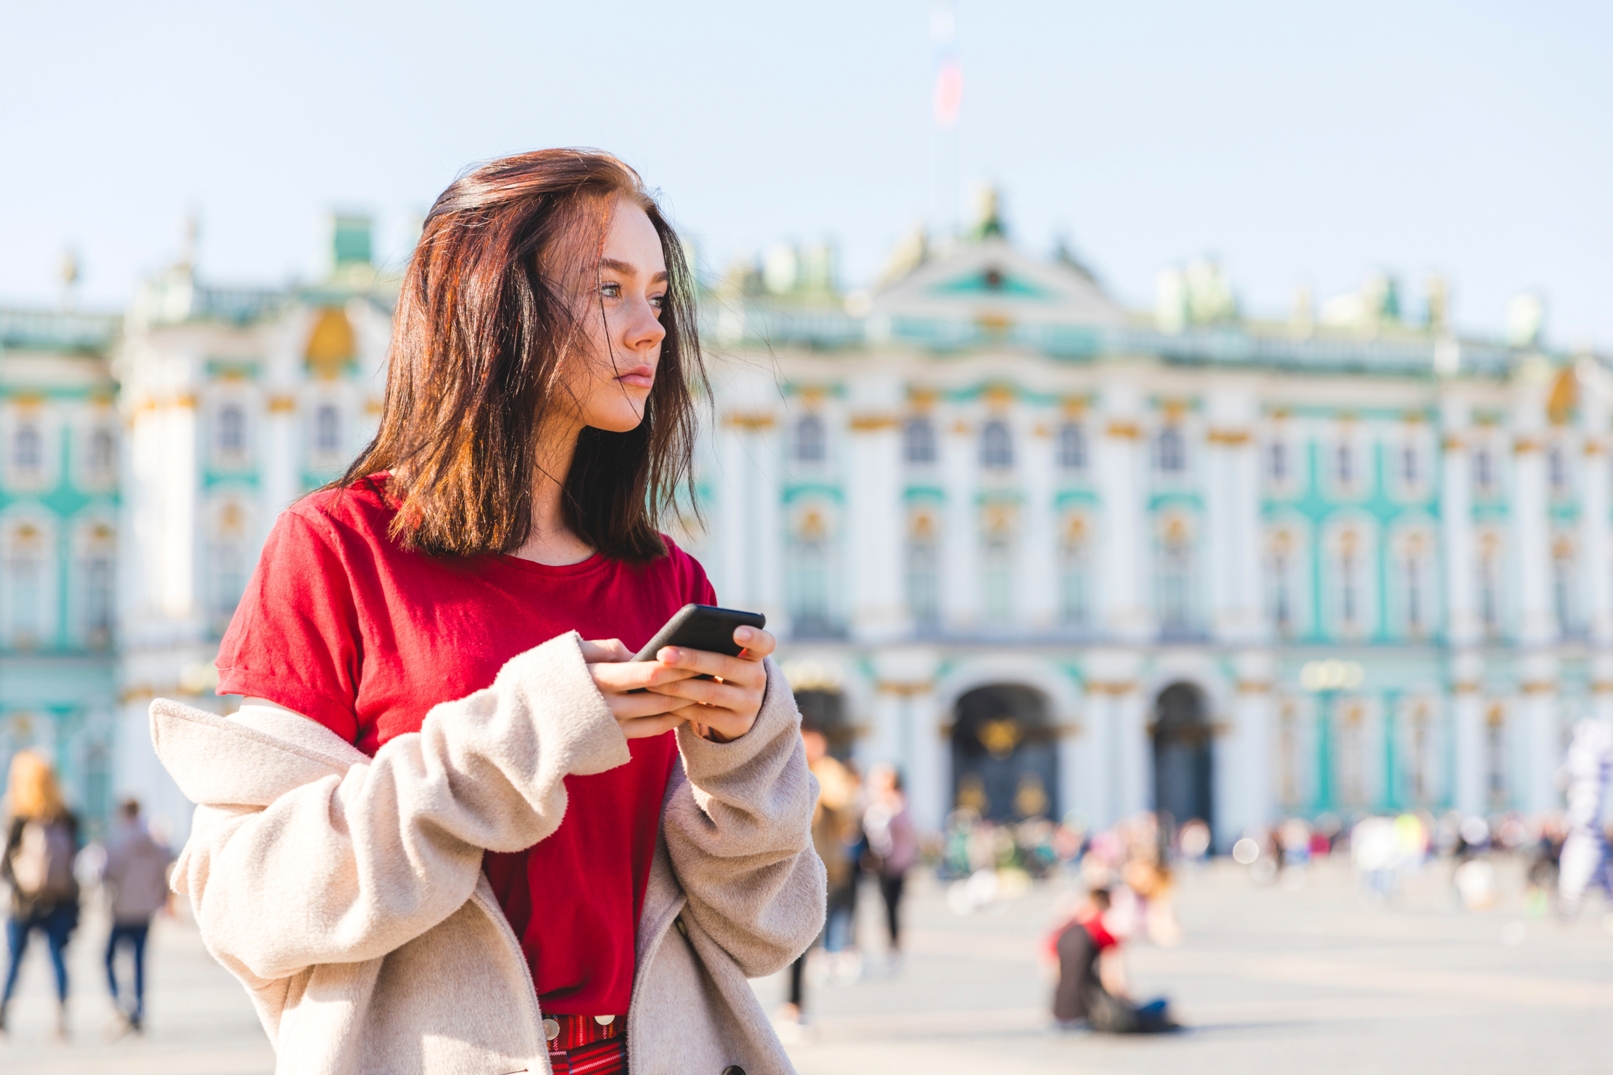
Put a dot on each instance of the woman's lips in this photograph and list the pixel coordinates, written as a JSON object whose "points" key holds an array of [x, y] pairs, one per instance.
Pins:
{"points": [[639, 377]]}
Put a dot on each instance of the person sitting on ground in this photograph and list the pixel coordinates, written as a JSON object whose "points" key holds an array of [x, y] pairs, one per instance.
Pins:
{"points": [[1092, 986]]}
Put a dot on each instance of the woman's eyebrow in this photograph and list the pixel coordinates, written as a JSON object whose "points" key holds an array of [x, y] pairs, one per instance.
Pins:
{"points": [[612, 265]]}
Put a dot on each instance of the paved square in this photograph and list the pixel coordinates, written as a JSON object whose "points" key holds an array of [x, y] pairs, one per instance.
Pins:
{"points": [[1268, 978]]}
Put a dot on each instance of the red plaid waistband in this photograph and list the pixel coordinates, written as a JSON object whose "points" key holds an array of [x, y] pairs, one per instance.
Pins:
{"points": [[581, 1045]]}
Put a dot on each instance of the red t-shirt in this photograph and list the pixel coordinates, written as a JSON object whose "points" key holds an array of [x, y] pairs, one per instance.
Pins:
{"points": [[342, 625]]}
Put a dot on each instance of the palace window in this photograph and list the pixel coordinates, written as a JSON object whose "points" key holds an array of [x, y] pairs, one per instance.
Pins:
{"points": [[1410, 466], [102, 457], [1175, 578], [27, 451], [1557, 470], [1563, 591], [997, 564], [923, 570], [1352, 761], [1351, 614], [1415, 603], [1074, 579], [1072, 447], [1284, 582], [996, 445], [26, 586], [1483, 471], [810, 446], [1490, 584], [97, 596], [1344, 464], [1170, 450], [327, 429], [1277, 462], [808, 579], [227, 562], [231, 436], [1495, 755], [1421, 755], [918, 441]]}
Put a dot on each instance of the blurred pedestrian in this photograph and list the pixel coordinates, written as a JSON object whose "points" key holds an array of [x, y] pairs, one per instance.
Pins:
{"points": [[1092, 987], [893, 847], [136, 876], [41, 842], [836, 827]]}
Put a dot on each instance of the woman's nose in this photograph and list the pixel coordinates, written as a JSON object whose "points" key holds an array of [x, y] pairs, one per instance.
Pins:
{"points": [[644, 330]]}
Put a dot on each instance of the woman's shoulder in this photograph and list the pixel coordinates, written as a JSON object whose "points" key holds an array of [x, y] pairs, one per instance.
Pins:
{"points": [[361, 508], [680, 565]]}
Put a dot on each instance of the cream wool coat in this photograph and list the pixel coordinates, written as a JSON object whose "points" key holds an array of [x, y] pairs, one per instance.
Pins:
{"points": [[346, 891]]}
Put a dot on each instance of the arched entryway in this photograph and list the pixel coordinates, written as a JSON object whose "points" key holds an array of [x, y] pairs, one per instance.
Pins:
{"points": [[825, 711], [1182, 754], [1004, 755]]}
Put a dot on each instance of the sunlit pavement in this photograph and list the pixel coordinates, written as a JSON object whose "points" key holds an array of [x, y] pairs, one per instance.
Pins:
{"points": [[1269, 978]]}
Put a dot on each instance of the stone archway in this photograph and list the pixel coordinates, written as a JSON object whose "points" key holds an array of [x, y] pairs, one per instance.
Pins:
{"points": [[1004, 753], [1183, 762]]}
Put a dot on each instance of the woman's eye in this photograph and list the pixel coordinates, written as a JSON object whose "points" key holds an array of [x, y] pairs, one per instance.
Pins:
{"points": [[610, 291], [658, 301]]}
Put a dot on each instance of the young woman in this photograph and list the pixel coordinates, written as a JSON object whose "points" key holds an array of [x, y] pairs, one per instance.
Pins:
{"points": [[37, 866], [452, 828]]}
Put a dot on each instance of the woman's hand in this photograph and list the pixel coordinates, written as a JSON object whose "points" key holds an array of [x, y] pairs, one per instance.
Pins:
{"points": [[650, 697], [618, 676], [725, 706]]}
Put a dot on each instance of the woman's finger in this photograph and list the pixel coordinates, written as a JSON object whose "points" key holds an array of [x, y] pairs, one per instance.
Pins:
{"points": [[644, 727], [598, 650], [705, 663], [635, 706], [757, 642], [634, 675], [710, 692]]}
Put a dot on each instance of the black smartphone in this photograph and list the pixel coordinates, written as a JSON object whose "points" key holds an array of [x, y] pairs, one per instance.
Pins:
{"points": [[703, 627]]}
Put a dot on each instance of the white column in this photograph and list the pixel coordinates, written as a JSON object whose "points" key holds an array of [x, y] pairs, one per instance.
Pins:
{"points": [[1244, 797], [1470, 796], [1125, 547], [912, 735], [1596, 555], [1077, 770], [1543, 751], [1462, 627], [1089, 759], [960, 544], [176, 480], [1232, 510], [1037, 577], [1125, 758], [281, 461], [748, 516], [1532, 535], [874, 516]]}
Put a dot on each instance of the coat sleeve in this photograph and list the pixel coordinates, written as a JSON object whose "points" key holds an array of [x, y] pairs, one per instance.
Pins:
{"points": [[350, 865], [739, 834]]}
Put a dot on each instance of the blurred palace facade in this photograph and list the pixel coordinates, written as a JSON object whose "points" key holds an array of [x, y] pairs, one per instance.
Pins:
{"points": [[1050, 555]]}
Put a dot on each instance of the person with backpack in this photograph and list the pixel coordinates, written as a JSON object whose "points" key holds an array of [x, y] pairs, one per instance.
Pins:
{"points": [[136, 877], [41, 842]]}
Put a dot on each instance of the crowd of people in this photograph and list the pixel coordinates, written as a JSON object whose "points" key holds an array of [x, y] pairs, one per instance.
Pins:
{"points": [[47, 869]]}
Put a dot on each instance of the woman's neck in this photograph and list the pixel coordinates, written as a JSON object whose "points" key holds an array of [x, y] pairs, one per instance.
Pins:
{"points": [[549, 540]]}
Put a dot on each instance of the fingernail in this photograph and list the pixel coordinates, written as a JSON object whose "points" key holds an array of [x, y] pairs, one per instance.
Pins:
{"points": [[744, 634], [669, 654]]}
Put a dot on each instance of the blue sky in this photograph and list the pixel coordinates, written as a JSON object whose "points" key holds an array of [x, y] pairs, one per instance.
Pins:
{"points": [[1301, 143]]}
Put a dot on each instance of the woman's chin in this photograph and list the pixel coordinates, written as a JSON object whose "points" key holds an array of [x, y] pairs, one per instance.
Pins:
{"points": [[624, 422]]}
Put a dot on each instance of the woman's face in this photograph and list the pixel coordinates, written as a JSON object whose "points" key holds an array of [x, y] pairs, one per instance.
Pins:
{"points": [[620, 311]]}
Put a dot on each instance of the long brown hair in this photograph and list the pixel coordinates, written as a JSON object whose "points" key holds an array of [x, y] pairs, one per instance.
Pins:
{"points": [[483, 329]]}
